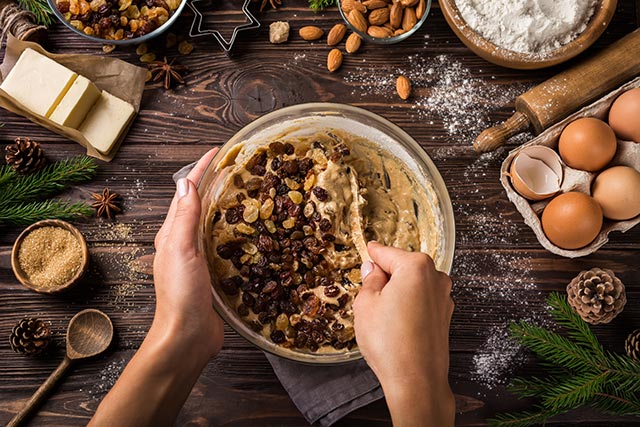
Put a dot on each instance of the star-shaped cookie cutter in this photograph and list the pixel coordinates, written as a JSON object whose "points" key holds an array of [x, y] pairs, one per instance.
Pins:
{"points": [[197, 31]]}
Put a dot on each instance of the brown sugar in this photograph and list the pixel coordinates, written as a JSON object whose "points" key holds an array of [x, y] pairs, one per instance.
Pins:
{"points": [[50, 256]]}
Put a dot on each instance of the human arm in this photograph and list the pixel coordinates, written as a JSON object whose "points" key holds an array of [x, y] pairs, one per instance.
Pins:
{"points": [[185, 332], [402, 317]]}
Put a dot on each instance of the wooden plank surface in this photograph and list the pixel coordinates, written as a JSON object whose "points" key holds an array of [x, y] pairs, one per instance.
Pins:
{"points": [[501, 273]]}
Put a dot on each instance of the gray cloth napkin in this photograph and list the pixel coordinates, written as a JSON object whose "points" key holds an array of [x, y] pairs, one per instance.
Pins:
{"points": [[323, 394]]}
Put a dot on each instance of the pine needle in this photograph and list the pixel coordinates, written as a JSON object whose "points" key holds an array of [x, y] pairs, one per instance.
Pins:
{"points": [[22, 214], [579, 371], [40, 9], [318, 5], [54, 178]]}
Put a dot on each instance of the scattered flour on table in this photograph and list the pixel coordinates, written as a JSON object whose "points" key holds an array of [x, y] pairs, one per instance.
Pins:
{"points": [[443, 90], [510, 293], [526, 26]]}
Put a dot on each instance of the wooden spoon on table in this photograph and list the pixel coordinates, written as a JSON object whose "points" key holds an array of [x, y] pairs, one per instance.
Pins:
{"points": [[89, 333]]}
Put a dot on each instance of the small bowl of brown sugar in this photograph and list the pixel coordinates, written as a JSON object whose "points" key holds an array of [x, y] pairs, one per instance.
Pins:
{"points": [[50, 256]]}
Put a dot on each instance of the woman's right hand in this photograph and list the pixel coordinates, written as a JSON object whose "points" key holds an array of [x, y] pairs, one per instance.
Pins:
{"points": [[402, 318]]}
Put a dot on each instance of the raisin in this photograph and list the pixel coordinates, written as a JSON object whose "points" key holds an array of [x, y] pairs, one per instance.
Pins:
{"points": [[256, 326], [276, 163], [248, 299], [342, 300], [63, 6], [233, 215], [258, 170], [291, 167], [311, 306], [321, 194], [289, 149], [226, 250], [305, 165], [229, 287], [278, 337], [253, 184], [277, 147], [238, 182], [265, 243], [300, 340], [243, 310], [324, 225], [331, 291], [270, 287], [328, 237]]}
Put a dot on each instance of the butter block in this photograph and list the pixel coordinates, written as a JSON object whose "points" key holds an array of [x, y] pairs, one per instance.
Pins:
{"points": [[37, 82], [75, 105], [106, 121]]}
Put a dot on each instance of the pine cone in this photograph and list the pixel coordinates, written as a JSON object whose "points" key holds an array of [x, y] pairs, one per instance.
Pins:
{"points": [[30, 336], [597, 295], [632, 345], [25, 156]]}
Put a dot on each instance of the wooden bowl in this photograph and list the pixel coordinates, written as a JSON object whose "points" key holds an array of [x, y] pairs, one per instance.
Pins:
{"points": [[523, 61], [21, 275]]}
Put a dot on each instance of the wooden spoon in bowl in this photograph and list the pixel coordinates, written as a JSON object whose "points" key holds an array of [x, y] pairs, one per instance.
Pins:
{"points": [[355, 219], [89, 333]]}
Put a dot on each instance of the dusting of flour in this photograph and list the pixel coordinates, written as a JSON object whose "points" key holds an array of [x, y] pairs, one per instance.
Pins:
{"points": [[527, 26]]}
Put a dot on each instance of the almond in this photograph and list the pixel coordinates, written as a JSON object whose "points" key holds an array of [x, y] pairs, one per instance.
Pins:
{"points": [[421, 8], [403, 86], [398, 32], [353, 43], [409, 19], [395, 16], [349, 5], [408, 3], [379, 16], [336, 34], [310, 33], [378, 32], [375, 4], [334, 60], [358, 21]]}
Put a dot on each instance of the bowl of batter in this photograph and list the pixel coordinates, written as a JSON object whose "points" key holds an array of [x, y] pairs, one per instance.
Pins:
{"points": [[288, 205]]}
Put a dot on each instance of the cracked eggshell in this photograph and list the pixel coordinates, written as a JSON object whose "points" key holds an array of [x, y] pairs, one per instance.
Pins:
{"points": [[536, 172]]}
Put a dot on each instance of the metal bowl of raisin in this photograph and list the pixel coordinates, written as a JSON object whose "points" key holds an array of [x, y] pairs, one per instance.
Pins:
{"points": [[279, 201], [117, 22]]}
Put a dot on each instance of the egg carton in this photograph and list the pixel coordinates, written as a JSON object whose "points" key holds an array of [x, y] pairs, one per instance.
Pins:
{"points": [[628, 154]]}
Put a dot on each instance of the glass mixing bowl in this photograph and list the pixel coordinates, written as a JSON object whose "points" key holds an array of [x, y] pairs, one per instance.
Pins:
{"points": [[307, 119]]}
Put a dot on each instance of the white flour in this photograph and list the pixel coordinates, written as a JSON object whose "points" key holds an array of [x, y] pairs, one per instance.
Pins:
{"points": [[527, 26]]}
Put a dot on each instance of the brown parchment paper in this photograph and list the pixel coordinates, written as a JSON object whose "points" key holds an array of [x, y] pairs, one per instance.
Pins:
{"points": [[124, 80], [628, 154]]}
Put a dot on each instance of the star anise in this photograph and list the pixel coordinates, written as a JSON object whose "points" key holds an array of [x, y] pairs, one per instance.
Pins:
{"points": [[274, 4], [107, 203], [167, 71]]}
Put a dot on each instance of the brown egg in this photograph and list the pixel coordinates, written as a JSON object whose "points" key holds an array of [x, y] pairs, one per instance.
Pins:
{"points": [[617, 190], [587, 144], [624, 116], [572, 220]]}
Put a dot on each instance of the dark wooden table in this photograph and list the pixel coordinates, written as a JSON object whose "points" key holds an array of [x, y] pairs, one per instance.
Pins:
{"points": [[501, 273]]}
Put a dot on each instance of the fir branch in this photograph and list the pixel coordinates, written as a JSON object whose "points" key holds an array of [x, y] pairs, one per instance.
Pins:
{"points": [[575, 391], [553, 347], [6, 174], [577, 329], [523, 419], [50, 180], [40, 9], [580, 371], [22, 214], [318, 5]]}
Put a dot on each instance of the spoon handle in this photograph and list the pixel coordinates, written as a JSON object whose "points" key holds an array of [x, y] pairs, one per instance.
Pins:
{"points": [[39, 396]]}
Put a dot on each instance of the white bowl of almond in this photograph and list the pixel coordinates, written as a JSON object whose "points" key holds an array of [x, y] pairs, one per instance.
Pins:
{"points": [[384, 21]]}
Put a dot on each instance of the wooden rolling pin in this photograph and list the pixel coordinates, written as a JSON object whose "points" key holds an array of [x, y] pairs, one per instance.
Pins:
{"points": [[563, 94]]}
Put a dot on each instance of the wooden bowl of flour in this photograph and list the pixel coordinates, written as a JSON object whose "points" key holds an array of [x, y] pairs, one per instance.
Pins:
{"points": [[600, 19]]}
